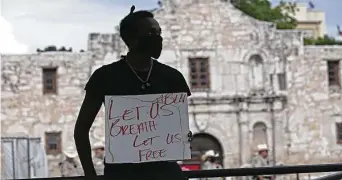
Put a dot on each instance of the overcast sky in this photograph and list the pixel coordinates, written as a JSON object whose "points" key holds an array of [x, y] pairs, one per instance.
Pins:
{"points": [[26, 25]]}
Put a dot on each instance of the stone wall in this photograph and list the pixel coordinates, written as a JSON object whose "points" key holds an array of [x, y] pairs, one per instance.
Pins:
{"points": [[24, 107], [313, 108], [26, 111], [217, 30], [229, 38]]}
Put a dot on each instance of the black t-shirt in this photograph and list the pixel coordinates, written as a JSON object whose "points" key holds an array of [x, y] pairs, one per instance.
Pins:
{"points": [[118, 79]]}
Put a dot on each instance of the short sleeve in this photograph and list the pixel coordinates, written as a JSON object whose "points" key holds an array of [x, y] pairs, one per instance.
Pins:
{"points": [[95, 84], [181, 84]]}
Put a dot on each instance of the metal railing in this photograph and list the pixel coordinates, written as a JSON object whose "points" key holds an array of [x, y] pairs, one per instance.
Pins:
{"points": [[241, 172], [335, 176], [265, 171], [16, 156]]}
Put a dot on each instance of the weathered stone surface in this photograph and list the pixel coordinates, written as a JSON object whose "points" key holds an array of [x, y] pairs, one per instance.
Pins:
{"points": [[313, 108], [25, 109], [301, 119]]}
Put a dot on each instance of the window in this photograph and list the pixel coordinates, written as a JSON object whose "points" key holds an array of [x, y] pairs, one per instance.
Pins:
{"points": [[333, 73], [339, 133], [282, 81], [259, 133], [49, 80], [199, 73], [53, 143]]}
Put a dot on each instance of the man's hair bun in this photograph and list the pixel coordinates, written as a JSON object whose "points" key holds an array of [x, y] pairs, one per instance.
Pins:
{"points": [[132, 9]]}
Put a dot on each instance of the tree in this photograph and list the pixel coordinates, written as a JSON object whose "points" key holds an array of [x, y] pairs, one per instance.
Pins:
{"points": [[280, 15], [50, 48], [62, 49], [326, 40], [263, 10]]}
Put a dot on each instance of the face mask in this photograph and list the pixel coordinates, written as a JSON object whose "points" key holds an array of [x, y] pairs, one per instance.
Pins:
{"points": [[150, 45]]}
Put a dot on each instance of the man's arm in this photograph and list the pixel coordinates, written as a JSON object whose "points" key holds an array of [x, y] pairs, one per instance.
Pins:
{"points": [[89, 109], [62, 168]]}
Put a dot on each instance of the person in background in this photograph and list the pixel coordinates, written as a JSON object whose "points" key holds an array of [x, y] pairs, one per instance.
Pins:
{"points": [[98, 159], [210, 162], [70, 166], [262, 160]]}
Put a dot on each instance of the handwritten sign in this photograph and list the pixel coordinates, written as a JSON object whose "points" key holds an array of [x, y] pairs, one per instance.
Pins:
{"points": [[147, 128]]}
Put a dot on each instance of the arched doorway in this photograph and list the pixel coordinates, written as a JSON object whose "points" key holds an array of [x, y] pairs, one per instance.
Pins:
{"points": [[203, 142]]}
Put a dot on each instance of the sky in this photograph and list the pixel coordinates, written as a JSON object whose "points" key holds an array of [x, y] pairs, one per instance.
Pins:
{"points": [[26, 25]]}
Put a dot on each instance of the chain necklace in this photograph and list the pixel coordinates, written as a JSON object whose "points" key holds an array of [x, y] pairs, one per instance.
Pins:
{"points": [[145, 83]]}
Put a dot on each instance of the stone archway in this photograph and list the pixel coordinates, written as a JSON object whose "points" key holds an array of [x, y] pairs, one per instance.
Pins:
{"points": [[203, 142], [256, 72], [260, 134]]}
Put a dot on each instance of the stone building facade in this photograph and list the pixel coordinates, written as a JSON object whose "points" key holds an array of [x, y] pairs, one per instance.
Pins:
{"points": [[250, 84]]}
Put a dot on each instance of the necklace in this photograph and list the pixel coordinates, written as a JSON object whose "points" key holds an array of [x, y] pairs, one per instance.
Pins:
{"points": [[145, 83]]}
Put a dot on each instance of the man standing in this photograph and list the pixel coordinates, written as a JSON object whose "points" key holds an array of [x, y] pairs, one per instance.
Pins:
{"points": [[98, 149], [137, 73], [262, 160], [210, 162], [69, 166]]}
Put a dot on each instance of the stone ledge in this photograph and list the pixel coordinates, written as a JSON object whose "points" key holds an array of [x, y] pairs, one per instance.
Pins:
{"points": [[323, 47], [14, 56]]}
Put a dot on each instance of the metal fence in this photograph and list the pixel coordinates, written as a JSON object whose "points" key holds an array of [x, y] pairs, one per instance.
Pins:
{"points": [[22, 157], [243, 172], [281, 170]]}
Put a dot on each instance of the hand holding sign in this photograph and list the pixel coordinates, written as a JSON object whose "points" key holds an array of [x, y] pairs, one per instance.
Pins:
{"points": [[147, 128]]}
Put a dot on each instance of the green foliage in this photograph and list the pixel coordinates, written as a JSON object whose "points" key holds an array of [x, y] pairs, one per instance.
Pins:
{"points": [[263, 10], [326, 40], [280, 15], [62, 49], [52, 48]]}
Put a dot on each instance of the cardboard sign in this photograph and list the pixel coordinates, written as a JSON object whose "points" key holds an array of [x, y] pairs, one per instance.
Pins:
{"points": [[146, 128]]}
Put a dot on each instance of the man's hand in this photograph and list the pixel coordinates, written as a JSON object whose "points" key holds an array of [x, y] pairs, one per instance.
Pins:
{"points": [[190, 138]]}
